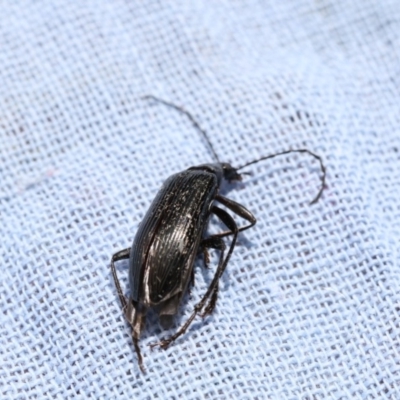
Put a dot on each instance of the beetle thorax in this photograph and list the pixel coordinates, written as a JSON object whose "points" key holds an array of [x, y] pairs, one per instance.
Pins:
{"points": [[221, 171]]}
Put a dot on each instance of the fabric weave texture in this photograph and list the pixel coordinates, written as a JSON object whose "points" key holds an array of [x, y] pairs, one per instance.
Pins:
{"points": [[309, 305]]}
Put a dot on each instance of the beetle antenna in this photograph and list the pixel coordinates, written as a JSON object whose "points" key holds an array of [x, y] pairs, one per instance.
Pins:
{"points": [[191, 119], [323, 169]]}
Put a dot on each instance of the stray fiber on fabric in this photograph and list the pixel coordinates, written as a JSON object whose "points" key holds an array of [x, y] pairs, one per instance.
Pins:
{"points": [[309, 306]]}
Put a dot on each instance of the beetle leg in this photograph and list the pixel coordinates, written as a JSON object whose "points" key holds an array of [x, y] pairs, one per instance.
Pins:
{"points": [[134, 316], [239, 210], [211, 304], [138, 353], [211, 291], [121, 255], [206, 256], [213, 242], [204, 246]]}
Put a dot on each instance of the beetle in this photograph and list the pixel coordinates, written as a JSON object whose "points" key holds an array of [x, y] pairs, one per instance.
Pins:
{"points": [[168, 239]]}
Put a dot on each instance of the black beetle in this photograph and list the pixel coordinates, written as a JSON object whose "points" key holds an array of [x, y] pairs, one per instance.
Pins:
{"points": [[170, 236]]}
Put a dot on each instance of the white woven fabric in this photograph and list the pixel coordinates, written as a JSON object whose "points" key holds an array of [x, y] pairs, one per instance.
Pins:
{"points": [[309, 305]]}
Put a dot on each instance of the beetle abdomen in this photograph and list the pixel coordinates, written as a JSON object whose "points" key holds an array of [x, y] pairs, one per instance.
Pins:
{"points": [[166, 243]]}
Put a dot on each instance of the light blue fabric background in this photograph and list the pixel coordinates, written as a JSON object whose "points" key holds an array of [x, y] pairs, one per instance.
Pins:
{"points": [[309, 305]]}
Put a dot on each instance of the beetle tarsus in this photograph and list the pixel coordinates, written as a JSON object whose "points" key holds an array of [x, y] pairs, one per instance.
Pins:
{"points": [[163, 344], [211, 304], [139, 354]]}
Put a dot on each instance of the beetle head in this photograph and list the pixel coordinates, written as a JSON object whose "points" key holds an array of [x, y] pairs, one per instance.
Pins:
{"points": [[230, 173]]}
